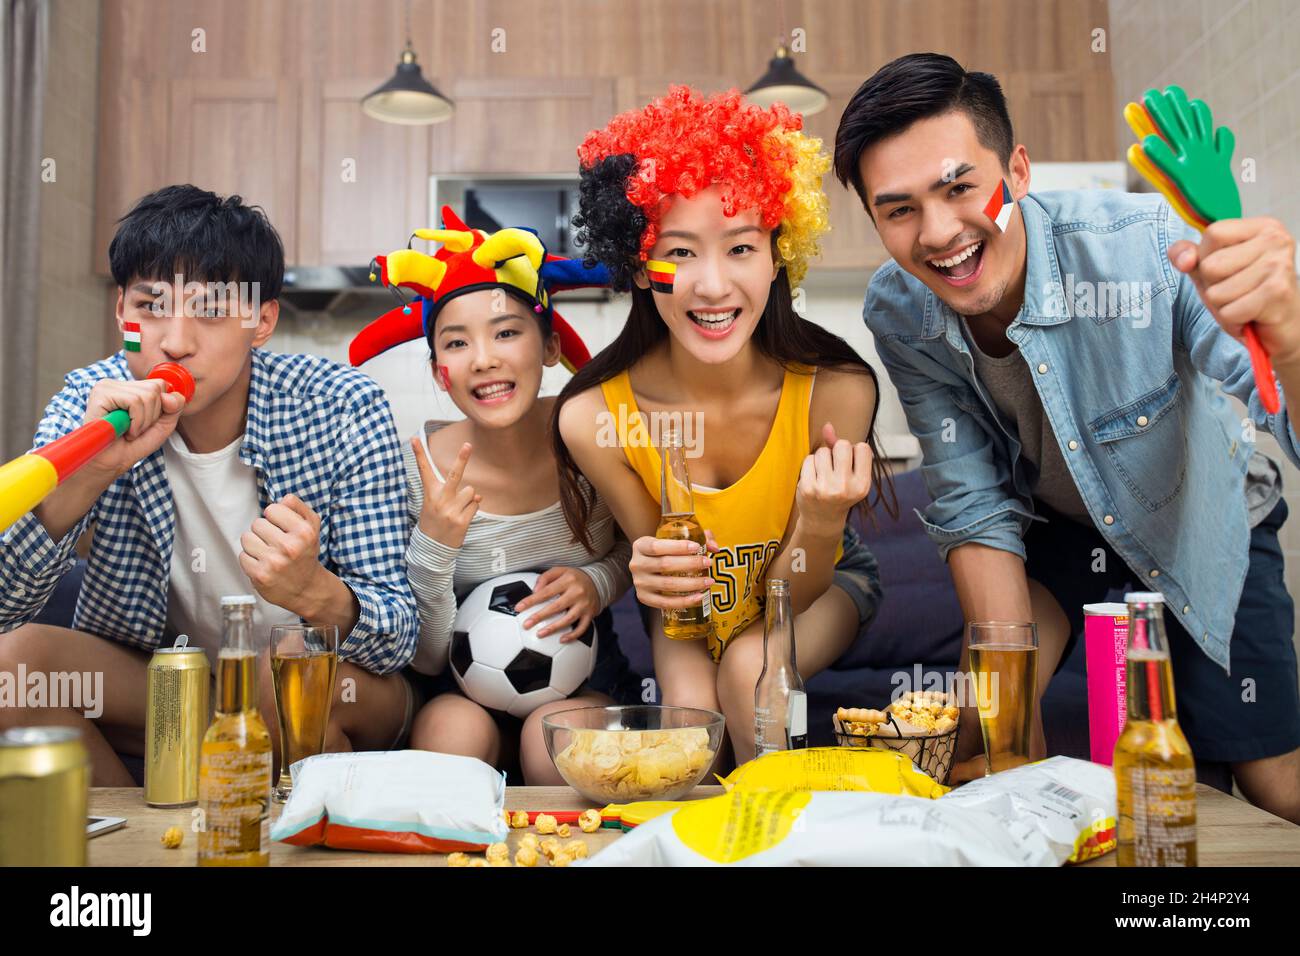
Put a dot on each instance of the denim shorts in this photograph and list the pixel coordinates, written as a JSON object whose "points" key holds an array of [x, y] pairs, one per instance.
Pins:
{"points": [[1248, 715], [858, 576]]}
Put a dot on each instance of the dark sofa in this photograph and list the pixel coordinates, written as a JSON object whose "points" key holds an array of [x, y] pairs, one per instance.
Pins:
{"points": [[919, 622]]}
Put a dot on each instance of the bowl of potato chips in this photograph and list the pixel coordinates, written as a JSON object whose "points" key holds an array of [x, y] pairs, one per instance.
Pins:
{"points": [[639, 752]]}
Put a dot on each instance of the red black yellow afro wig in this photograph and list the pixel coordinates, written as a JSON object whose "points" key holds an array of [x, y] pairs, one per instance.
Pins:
{"points": [[682, 144]]}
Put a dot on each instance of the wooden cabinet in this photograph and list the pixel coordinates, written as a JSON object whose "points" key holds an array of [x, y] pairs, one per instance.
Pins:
{"points": [[239, 136], [505, 126], [852, 242], [271, 110], [363, 185]]}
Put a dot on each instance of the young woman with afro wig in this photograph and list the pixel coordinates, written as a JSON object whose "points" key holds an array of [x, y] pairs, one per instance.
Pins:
{"points": [[707, 210]]}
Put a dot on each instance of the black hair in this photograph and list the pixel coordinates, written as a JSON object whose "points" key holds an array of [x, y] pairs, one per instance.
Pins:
{"points": [[187, 230], [781, 335], [544, 318], [915, 87], [609, 226]]}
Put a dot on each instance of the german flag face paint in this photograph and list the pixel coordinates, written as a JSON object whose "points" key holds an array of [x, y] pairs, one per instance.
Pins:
{"points": [[131, 336], [661, 275]]}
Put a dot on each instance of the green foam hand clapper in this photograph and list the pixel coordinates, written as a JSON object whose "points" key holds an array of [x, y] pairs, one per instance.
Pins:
{"points": [[1195, 156]]}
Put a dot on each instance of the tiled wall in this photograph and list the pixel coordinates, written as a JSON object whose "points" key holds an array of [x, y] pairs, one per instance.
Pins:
{"points": [[76, 322], [1243, 58]]}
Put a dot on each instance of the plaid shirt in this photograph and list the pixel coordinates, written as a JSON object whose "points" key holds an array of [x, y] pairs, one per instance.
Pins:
{"points": [[316, 429]]}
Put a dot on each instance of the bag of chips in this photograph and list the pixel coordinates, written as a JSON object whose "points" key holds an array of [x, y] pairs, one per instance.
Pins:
{"points": [[402, 801], [1072, 803], [1016, 818], [834, 768]]}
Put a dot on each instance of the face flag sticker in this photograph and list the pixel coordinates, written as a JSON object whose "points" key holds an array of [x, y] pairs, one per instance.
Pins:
{"points": [[999, 206], [445, 374], [131, 336], [661, 275]]}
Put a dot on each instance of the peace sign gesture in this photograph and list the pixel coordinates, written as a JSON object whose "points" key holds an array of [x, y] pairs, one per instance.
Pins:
{"points": [[448, 506]]}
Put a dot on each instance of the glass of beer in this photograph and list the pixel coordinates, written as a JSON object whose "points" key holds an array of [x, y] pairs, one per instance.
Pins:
{"points": [[1004, 669], [303, 662]]}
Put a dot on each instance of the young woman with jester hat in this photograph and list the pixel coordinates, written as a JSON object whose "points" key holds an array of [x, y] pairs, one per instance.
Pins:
{"points": [[483, 492], [708, 209]]}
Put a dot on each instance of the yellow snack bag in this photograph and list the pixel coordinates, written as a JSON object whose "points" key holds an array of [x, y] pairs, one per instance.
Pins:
{"points": [[834, 768]]}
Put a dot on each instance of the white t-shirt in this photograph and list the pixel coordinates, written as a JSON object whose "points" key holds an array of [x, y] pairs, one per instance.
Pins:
{"points": [[215, 501]]}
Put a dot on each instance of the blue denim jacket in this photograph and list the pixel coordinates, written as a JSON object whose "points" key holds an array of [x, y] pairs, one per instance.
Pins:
{"points": [[1127, 362]]}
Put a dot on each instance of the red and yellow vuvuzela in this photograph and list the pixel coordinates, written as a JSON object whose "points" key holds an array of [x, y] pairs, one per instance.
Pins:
{"points": [[25, 481]]}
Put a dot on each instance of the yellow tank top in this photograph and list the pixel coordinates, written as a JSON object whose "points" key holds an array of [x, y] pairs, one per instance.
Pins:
{"points": [[748, 519]]}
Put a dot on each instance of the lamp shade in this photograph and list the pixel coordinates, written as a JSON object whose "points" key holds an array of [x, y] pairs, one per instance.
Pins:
{"points": [[783, 83], [408, 98]]}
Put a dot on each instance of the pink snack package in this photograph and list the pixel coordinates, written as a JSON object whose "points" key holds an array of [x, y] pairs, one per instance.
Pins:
{"points": [[1105, 637]]}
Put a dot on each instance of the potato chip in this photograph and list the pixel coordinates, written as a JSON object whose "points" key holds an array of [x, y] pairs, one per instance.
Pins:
{"points": [[632, 764]]}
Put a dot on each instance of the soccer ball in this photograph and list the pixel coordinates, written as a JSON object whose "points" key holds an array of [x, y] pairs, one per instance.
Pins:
{"points": [[503, 666]]}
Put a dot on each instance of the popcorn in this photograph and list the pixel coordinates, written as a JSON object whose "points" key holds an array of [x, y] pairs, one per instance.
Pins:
{"points": [[526, 855], [929, 710], [545, 823], [563, 830], [458, 859], [173, 838], [497, 851], [519, 820], [589, 821]]}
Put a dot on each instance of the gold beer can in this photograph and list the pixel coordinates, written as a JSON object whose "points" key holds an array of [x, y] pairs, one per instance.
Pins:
{"points": [[175, 723], [44, 789]]}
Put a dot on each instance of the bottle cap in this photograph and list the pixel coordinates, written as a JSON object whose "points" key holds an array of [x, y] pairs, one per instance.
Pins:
{"points": [[1144, 597], [238, 600]]}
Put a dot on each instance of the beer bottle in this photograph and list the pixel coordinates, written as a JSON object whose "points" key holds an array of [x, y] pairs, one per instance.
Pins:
{"points": [[235, 759], [780, 702], [676, 521], [1155, 774]]}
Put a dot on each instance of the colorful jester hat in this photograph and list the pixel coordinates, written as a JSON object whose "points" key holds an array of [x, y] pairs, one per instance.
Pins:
{"points": [[470, 260], [684, 143]]}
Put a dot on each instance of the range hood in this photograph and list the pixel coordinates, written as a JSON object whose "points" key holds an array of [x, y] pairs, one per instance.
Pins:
{"points": [[331, 288]]}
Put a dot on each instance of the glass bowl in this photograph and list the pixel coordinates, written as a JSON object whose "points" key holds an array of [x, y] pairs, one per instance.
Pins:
{"points": [[637, 752]]}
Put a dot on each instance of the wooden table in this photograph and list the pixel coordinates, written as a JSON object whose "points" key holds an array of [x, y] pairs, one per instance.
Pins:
{"points": [[1230, 833]]}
